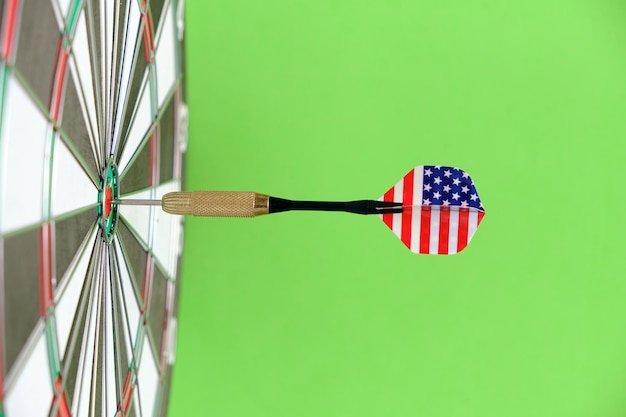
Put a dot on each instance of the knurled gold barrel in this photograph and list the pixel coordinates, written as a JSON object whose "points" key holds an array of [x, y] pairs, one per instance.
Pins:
{"points": [[216, 203]]}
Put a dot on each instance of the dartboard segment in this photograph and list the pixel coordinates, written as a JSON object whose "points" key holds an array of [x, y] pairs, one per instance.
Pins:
{"points": [[442, 210]]}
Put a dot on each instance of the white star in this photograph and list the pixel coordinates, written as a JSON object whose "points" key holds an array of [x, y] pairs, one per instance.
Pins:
{"points": [[457, 169], [437, 166], [474, 197], [446, 203], [455, 196], [437, 180], [465, 174], [446, 188], [436, 195], [456, 181], [465, 189], [427, 172], [447, 173], [427, 187], [464, 204], [426, 202]]}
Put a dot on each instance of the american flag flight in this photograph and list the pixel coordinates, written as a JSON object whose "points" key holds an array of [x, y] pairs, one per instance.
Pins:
{"points": [[442, 209]]}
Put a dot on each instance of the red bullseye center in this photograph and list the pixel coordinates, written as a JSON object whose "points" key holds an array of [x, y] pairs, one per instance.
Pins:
{"points": [[108, 201]]}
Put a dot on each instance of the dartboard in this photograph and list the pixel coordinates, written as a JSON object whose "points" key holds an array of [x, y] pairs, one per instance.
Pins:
{"points": [[91, 111]]}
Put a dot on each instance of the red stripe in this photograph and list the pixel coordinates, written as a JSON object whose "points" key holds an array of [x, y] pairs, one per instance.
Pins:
{"points": [[388, 217], [407, 212], [444, 229], [9, 28], [425, 230], [481, 214], [127, 394], [59, 83], [463, 229], [45, 269]]}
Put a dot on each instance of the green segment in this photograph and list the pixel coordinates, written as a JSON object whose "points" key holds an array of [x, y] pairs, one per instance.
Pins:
{"points": [[309, 314]]}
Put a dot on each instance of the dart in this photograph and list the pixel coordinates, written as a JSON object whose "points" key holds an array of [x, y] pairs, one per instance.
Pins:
{"points": [[432, 209]]}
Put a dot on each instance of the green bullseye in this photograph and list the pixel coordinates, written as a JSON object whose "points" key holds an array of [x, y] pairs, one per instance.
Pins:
{"points": [[107, 209]]}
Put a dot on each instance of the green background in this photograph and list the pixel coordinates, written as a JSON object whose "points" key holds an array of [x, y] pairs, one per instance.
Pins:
{"points": [[304, 314]]}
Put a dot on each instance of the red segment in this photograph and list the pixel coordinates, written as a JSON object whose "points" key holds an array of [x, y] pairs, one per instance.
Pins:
{"points": [[444, 229], [407, 212], [463, 228], [64, 409], [388, 217], [45, 269], [425, 230], [108, 200], [9, 28], [59, 81]]}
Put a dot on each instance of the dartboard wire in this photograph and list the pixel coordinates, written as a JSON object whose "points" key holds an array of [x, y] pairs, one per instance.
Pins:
{"points": [[151, 130], [84, 303], [146, 32], [89, 325], [134, 347], [96, 379], [121, 107], [96, 61], [118, 330]]}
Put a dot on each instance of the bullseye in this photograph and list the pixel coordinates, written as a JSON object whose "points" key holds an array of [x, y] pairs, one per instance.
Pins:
{"points": [[108, 199], [107, 209]]}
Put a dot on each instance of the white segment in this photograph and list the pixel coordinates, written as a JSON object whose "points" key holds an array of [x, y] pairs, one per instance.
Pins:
{"points": [[109, 397], [453, 236], [132, 36], [398, 192], [72, 188], [138, 217], [141, 123], [22, 153], [147, 380], [80, 405], [65, 4], [172, 333], [166, 56], [166, 242], [33, 382], [418, 193], [69, 295], [472, 224], [82, 77], [435, 214], [180, 19], [130, 297]]}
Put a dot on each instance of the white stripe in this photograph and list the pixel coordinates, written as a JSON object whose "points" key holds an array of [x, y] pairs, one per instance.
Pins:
{"points": [[472, 224], [418, 192], [435, 214], [453, 235], [397, 218]]}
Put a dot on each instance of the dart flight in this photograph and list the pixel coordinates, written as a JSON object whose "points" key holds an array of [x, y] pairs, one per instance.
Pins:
{"points": [[433, 209]]}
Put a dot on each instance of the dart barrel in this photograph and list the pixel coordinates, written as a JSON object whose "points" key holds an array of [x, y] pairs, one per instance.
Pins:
{"points": [[216, 203]]}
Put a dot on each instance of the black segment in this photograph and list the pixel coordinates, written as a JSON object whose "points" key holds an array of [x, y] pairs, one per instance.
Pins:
{"points": [[21, 292], [137, 174], [38, 42], [156, 10], [73, 124], [166, 141], [134, 254], [69, 235], [156, 311], [119, 52]]}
